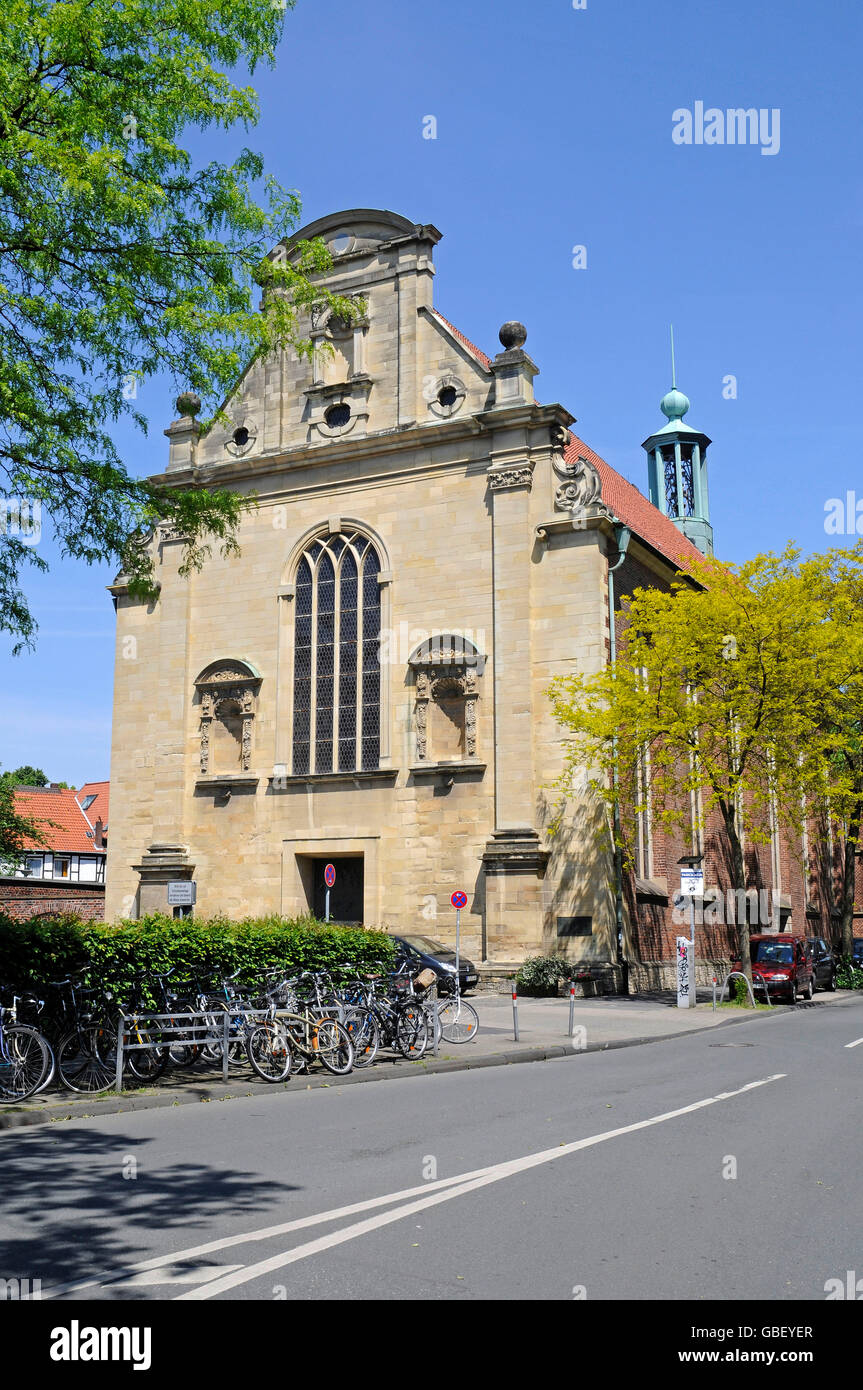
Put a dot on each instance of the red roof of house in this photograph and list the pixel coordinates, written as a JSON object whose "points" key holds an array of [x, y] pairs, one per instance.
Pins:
{"points": [[98, 809], [635, 510], [68, 833], [457, 333], [622, 497]]}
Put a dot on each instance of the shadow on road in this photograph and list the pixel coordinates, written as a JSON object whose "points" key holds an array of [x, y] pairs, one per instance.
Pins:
{"points": [[81, 1197]]}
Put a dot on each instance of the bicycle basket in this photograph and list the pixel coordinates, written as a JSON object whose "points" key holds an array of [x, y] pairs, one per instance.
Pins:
{"points": [[425, 979]]}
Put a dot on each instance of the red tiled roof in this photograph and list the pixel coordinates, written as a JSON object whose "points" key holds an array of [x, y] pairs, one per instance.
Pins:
{"points": [[68, 833], [477, 352], [635, 510], [622, 497], [98, 809]]}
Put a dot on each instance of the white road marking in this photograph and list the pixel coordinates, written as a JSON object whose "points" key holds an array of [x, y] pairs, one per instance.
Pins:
{"points": [[264, 1233], [856, 1043], [468, 1183], [168, 1274]]}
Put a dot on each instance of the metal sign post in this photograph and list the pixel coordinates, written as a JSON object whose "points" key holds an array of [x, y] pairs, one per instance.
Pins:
{"points": [[329, 880], [458, 900]]}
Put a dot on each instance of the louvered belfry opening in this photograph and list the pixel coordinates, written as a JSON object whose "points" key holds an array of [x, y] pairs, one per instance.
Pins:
{"points": [[337, 672]]}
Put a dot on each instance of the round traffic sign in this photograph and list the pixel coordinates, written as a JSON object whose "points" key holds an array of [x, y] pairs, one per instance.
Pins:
{"points": [[330, 875], [459, 899]]}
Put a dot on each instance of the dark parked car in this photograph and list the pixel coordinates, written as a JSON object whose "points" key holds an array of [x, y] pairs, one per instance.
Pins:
{"points": [[823, 962], [425, 952], [857, 954], [782, 962]]}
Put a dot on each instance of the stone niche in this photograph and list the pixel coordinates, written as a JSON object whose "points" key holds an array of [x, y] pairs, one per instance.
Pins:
{"points": [[228, 697], [447, 676]]}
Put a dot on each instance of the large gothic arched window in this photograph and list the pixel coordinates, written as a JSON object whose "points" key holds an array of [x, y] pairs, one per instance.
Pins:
{"points": [[337, 672]]}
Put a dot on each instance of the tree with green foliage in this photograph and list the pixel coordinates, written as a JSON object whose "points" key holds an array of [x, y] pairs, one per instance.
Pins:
{"points": [[724, 687], [28, 776], [834, 748], [120, 259], [25, 776]]}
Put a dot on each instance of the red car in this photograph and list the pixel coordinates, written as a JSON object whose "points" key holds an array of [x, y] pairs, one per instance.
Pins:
{"points": [[783, 963]]}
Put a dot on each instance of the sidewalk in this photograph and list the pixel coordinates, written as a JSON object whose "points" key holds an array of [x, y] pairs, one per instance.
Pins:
{"points": [[608, 1022]]}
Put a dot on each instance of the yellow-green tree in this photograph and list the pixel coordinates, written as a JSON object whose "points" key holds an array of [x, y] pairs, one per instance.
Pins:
{"points": [[726, 686], [835, 745]]}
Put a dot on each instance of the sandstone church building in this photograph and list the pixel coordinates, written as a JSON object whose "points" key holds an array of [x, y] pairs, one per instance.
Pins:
{"points": [[366, 683]]}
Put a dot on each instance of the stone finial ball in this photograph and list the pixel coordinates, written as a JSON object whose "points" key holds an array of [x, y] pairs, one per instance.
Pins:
{"points": [[513, 334], [189, 403]]}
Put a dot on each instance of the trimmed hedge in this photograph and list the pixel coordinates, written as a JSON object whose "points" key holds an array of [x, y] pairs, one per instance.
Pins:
{"points": [[40, 949]]}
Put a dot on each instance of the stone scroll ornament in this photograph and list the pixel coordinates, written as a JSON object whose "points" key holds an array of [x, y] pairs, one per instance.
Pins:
{"points": [[581, 486]]}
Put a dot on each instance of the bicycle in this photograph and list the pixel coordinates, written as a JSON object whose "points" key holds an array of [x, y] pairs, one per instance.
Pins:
{"points": [[87, 1052], [300, 1029], [26, 1058]]}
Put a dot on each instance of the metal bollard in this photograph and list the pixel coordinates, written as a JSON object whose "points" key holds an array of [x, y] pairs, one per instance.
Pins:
{"points": [[571, 1009], [118, 1081], [435, 1026], [225, 1045], [515, 1013], [714, 994]]}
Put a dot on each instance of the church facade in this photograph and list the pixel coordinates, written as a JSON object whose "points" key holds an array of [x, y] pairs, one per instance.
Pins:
{"points": [[366, 683]]}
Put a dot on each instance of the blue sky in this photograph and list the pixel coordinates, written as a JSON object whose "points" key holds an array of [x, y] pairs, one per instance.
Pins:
{"points": [[554, 130]]}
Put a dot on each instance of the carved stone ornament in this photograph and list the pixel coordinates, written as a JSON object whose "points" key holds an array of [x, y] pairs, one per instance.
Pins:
{"points": [[510, 477], [581, 487], [227, 684], [445, 681], [560, 437]]}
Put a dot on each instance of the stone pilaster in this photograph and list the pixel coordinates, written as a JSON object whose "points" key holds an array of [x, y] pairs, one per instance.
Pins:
{"points": [[514, 858], [161, 864]]}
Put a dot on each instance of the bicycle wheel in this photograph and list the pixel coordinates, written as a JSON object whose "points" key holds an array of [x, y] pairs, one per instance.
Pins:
{"points": [[87, 1059], [184, 1055], [51, 1069], [25, 1058], [412, 1032], [364, 1033], [459, 1022], [148, 1064], [332, 1046], [269, 1052]]}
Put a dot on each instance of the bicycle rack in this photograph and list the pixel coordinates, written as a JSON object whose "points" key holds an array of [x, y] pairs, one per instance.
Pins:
{"points": [[191, 1033], [740, 976]]}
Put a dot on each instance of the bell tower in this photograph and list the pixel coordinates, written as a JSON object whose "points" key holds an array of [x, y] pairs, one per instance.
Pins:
{"points": [[677, 470]]}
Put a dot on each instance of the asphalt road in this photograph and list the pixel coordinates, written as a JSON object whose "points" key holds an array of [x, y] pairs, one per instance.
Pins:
{"points": [[605, 1176]]}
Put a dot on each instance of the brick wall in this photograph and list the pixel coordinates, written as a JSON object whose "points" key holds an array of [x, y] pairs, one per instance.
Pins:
{"points": [[23, 898]]}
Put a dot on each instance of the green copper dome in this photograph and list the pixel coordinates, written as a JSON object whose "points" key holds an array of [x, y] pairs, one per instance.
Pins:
{"points": [[674, 404]]}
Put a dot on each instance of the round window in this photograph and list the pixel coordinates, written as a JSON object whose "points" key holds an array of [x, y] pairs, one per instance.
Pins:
{"points": [[241, 437], [341, 243], [338, 415], [447, 397]]}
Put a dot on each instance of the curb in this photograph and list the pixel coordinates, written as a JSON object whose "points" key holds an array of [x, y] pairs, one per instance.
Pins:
{"points": [[198, 1095]]}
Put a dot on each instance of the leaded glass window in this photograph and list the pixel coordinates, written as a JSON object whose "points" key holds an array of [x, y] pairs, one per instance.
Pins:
{"points": [[669, 463], [688, 498], [337, 672]]}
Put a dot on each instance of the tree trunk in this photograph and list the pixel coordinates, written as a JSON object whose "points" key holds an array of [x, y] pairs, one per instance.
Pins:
{"points": [[739, 875], [846, 904]]}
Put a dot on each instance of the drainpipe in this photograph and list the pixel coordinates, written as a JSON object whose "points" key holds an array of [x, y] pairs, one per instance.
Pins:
{"points": [[622, 536]]}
